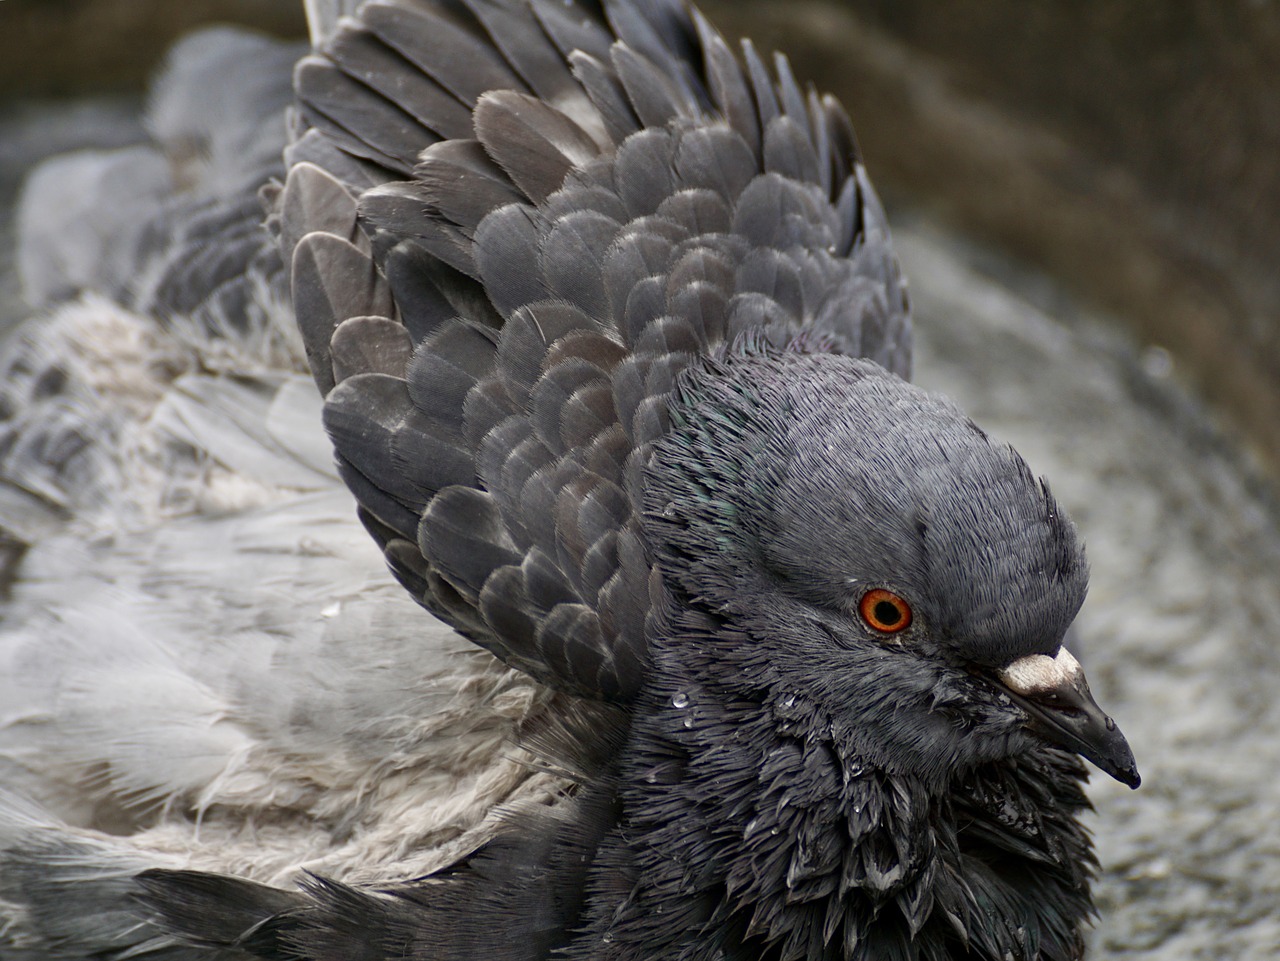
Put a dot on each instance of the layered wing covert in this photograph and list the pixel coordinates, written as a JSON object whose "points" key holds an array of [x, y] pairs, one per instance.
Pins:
{"points": [[512, 224]]}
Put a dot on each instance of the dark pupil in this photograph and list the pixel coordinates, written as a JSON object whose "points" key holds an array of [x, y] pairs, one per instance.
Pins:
{"points": [[887, 614]]}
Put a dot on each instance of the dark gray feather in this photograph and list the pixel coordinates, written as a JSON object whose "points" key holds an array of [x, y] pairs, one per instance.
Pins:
{"points": [[705, 309], [671, 335], [729, 89], [717, 159], [463, 183], [662, 33], [364, 415], [369, 345], [463, 532], [789, 151], [366, 58], [655, 97], [549, 401], [530, 51], [776, 276], [534, 143], [571, 260], [605, 91], [777, 212], [347, 167], [832, 167], [636, 255], [419, 283], [443, 46], [506, 253], [644, 171], [793, 100], [697, 211], [646, 302], [762, 88], [574, 25], [392, 136], [333, 280], [316, 200], [575, 196]]}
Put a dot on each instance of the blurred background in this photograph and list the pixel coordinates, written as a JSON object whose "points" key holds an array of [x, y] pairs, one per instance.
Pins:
{"points": [[1086, 199]]}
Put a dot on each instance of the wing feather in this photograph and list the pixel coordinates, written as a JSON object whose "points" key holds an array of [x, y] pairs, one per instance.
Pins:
{"points": [[577, 203]]}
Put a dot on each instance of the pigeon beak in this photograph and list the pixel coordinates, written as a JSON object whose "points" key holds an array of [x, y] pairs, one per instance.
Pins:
{"points": [[1055, 693]]}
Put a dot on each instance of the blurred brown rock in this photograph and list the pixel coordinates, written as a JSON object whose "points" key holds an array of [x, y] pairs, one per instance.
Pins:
{"points": [[95, 46]]}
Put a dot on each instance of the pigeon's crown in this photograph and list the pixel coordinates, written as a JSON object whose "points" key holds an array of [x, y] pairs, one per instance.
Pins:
{"points": [[840, 478]]}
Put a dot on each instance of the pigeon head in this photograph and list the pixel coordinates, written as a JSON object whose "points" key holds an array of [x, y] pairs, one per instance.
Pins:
{"points": [[885, 560]]}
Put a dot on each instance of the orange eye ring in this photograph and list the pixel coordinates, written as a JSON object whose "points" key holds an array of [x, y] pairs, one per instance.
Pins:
{"points": [[885, 611]]}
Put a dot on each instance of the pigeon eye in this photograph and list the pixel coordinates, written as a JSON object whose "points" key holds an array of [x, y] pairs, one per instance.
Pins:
{"points": [[885, 611]]}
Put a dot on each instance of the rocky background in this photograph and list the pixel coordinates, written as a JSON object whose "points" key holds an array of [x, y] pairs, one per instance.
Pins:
{"points": [[1086, 198]]}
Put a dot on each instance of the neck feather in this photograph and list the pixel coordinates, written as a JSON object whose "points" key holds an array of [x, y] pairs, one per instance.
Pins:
{"points": [[761, 822]]}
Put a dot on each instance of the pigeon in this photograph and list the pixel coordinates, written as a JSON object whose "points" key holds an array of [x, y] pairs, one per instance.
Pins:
{"points": [[613, 352]]}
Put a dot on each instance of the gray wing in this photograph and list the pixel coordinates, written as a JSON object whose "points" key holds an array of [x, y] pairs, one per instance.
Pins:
{"points": [[511, 226]]}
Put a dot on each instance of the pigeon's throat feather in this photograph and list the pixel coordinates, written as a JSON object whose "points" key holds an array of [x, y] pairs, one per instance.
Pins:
{"points": [[761, 828]]}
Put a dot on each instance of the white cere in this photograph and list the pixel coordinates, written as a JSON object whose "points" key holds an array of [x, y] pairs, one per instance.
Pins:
{"points": [[1038, 673]]}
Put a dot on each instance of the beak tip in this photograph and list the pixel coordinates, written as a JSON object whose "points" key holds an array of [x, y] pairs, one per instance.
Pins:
{"points": [[1129, 777], [1126, 772], [1112, 754]]}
